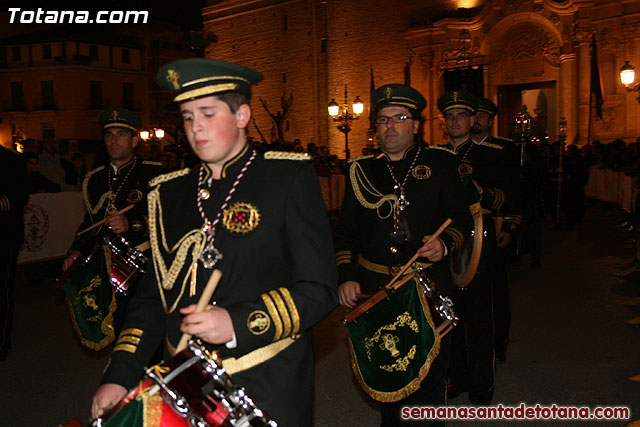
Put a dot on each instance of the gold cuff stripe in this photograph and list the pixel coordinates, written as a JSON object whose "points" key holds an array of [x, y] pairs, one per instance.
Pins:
{"points": [[456, 236], [132, 331], [513, 218], [207, 90], [293, 311], [271, 308], [233, 365], [498, 198], [345, 261], [128, 339], [125, 347], [284, 314]]}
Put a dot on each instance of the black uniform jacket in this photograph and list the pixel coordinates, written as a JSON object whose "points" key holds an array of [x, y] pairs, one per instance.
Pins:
{"points": [[136, 176], [489, 166], [278, 276], [513, 215], [363, 233]]}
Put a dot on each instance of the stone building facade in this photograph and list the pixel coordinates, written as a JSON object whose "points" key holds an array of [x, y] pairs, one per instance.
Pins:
{"points": [[527, 51]]}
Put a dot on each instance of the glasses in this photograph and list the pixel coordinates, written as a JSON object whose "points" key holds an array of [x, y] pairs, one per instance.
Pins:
{"points": [[398, 118], [456, 117]]}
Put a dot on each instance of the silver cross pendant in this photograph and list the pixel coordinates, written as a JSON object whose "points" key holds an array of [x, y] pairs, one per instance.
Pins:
{"points": [[402, 201], [209, 256]]}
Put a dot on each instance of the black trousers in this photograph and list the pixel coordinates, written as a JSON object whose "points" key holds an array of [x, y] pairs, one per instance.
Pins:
{"points": [[432, 392], [501, 306], [472, 366]]}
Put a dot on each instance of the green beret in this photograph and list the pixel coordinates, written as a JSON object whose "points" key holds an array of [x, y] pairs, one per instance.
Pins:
{"points": [[457, 99], [486, 105], [119, 118], [397, 94], [197, 77]]}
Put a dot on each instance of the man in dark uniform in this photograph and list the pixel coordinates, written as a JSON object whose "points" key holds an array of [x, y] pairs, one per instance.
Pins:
{"points": [[109, 189], [507, 223], [483, 168], [257, 218], [392, 204], [13, 198]]}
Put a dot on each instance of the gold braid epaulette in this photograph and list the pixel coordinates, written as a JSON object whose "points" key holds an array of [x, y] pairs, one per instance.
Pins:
{"points": [[438, 147], [488, 144], [286, 155], [168, 177], [151, 162], [360, 183], [85, 194], [355, 159]]}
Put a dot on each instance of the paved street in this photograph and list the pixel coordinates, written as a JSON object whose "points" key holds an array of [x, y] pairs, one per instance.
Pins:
{"points": [[570, 341]]}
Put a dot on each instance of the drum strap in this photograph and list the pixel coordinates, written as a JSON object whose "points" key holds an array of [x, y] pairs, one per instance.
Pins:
{"points": [[256, 357], [385, 269]]}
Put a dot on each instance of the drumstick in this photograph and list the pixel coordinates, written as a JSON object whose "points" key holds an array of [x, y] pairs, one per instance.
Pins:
{"points": [[101, 222], [413, 259], [204, 300], [392, 285]]}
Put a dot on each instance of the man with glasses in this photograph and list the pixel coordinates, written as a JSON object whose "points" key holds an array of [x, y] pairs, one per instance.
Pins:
{"points": [[483, 169], [392, 204]]}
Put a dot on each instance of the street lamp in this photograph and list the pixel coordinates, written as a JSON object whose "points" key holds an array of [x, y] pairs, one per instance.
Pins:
{"points": [[628, 76], [153, 133], [345, 117]]}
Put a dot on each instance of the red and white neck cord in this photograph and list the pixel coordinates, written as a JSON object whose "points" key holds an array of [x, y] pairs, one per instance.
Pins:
{"points": [[208, 226]]}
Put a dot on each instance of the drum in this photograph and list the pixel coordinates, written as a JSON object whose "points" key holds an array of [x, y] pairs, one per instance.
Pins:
{"points": [[126, 263], [394, 343], [191, 389]]}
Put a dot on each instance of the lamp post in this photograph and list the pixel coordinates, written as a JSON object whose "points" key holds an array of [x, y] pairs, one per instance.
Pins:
{"points": [[628, 76], [523, 131], [345, 117]]}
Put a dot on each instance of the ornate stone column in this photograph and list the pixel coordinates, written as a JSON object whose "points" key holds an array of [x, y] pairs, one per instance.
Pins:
{"points": [[567, 95]]}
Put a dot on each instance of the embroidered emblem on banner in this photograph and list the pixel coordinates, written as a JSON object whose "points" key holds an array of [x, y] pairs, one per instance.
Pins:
{"points": [[241, 218], [421, 172], [464, 169], [258, 322], [134, 196]]}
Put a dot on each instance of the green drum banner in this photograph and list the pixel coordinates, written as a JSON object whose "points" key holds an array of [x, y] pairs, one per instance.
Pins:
{"points": [[393, 345], [91, 302]]}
